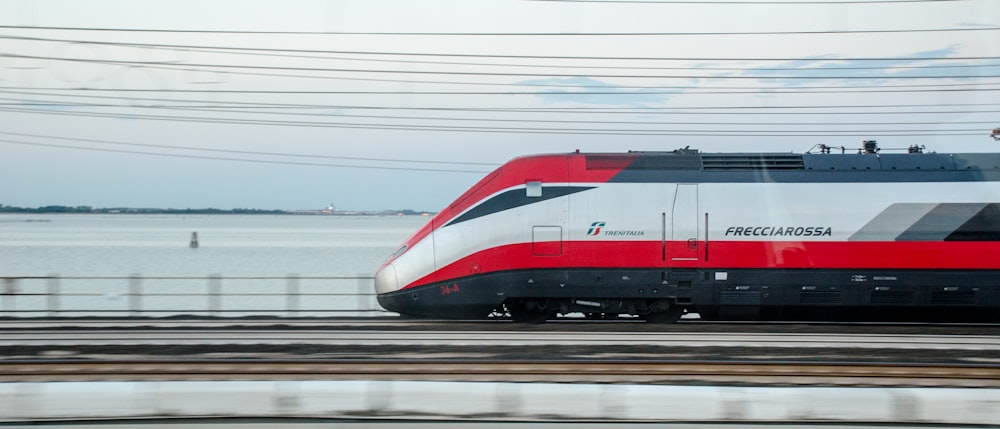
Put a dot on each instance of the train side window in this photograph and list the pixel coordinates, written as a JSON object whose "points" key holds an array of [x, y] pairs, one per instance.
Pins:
{"points": [[534, 189]]}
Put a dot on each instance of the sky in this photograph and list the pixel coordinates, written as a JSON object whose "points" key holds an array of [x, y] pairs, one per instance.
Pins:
{"points": [[404, 104]]}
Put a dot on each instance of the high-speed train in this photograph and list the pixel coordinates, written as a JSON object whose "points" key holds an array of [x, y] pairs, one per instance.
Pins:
{"points": [[757, 236]]}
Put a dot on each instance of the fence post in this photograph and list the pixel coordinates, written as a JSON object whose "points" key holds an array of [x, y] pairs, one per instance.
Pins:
{"points": [[364, 301], [135, 294], [9, 290], [214, 293], [292, 295], [53, 294]]}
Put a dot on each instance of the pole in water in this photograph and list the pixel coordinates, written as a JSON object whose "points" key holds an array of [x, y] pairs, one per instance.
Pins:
{"points": [[194, 240]]}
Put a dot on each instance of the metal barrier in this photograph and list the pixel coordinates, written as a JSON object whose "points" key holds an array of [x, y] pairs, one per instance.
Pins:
{"points": [[212, 296], [480, 404]]}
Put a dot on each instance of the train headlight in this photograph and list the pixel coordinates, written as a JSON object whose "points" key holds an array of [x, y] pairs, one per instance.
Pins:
{"points": [[385, 280]]}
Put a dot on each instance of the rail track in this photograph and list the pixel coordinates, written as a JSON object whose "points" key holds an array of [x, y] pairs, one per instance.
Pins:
{"points": [[588, 371], [350, 337], [947, 356]]}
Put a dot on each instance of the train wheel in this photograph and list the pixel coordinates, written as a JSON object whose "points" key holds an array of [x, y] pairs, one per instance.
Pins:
{"points": [[524, 312], [668, 316], [600, 316]]}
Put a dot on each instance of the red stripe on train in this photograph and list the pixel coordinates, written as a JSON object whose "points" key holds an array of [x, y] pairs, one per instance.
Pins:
{"points": [[976, 255], [548, 169]]}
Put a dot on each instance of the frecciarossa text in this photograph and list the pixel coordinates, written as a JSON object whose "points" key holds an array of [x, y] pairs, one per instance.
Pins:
{"points": [[773, 231]]}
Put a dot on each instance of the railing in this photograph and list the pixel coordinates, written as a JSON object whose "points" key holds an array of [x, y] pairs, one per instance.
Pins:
{"points": [[212, 296]]}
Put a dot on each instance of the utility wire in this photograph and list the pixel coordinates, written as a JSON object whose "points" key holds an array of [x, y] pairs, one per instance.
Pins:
{"points": [[767, 89], [506, 34], [756, 110], [505, 84], [483, 129], [504, 56], [753, 2], [490, 120], [689, 89], [609, 90], [258, 161], [506, 74], [245, 152], [270, 53]]}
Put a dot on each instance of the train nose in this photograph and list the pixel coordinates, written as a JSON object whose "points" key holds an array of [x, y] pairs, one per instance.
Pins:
{"points": [[385, 280]]}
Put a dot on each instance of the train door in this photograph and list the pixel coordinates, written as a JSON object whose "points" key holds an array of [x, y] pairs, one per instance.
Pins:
{"points": [[684, 224]]}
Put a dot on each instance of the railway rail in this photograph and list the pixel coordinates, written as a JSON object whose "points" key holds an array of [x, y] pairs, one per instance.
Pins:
{"points": [[351, 337], [586, 371], [968, 356]]}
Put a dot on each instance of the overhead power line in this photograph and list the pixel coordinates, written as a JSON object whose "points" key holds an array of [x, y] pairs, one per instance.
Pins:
{"points": [[624, 92], [754, 2], [493, 56], [168, 67], [244, 152], [514, 130], [824, 110], [505, 34], [250, 160], [688, 88], [493, 120], [543, 74]]}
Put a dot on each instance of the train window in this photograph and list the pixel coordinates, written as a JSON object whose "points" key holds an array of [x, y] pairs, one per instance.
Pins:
{"points": [[534, 189]]}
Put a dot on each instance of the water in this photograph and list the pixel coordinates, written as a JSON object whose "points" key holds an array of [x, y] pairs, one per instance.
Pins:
{"points": [[78, 247], [230, 245]]}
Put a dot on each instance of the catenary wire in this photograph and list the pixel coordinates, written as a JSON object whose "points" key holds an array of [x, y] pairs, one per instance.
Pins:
{"points": [[269, 53], [751, 2], [27, 103], [748, 91], [244, 152], [483, 73], [740, 110], [162, 66], [516, 56], [520, 130], [505, 34], [258, 161], [13, 90], [754, 2]]}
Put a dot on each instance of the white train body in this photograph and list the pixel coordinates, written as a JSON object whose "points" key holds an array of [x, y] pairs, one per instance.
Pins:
{"points": [[738, 235]]}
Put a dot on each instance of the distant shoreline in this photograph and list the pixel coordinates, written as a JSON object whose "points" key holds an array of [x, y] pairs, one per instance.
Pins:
{"points": [[129, 210]]}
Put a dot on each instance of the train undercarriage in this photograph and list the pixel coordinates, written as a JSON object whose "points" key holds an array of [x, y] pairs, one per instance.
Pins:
{"points": [[660, 296], [538, 310]]}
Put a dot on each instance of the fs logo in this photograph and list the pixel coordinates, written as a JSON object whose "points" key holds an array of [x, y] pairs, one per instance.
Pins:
{"points": [[595, 228]]}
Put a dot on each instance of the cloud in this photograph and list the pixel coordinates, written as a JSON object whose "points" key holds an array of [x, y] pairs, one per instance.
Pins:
{"points": [[586, 90], [827, 68]]}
